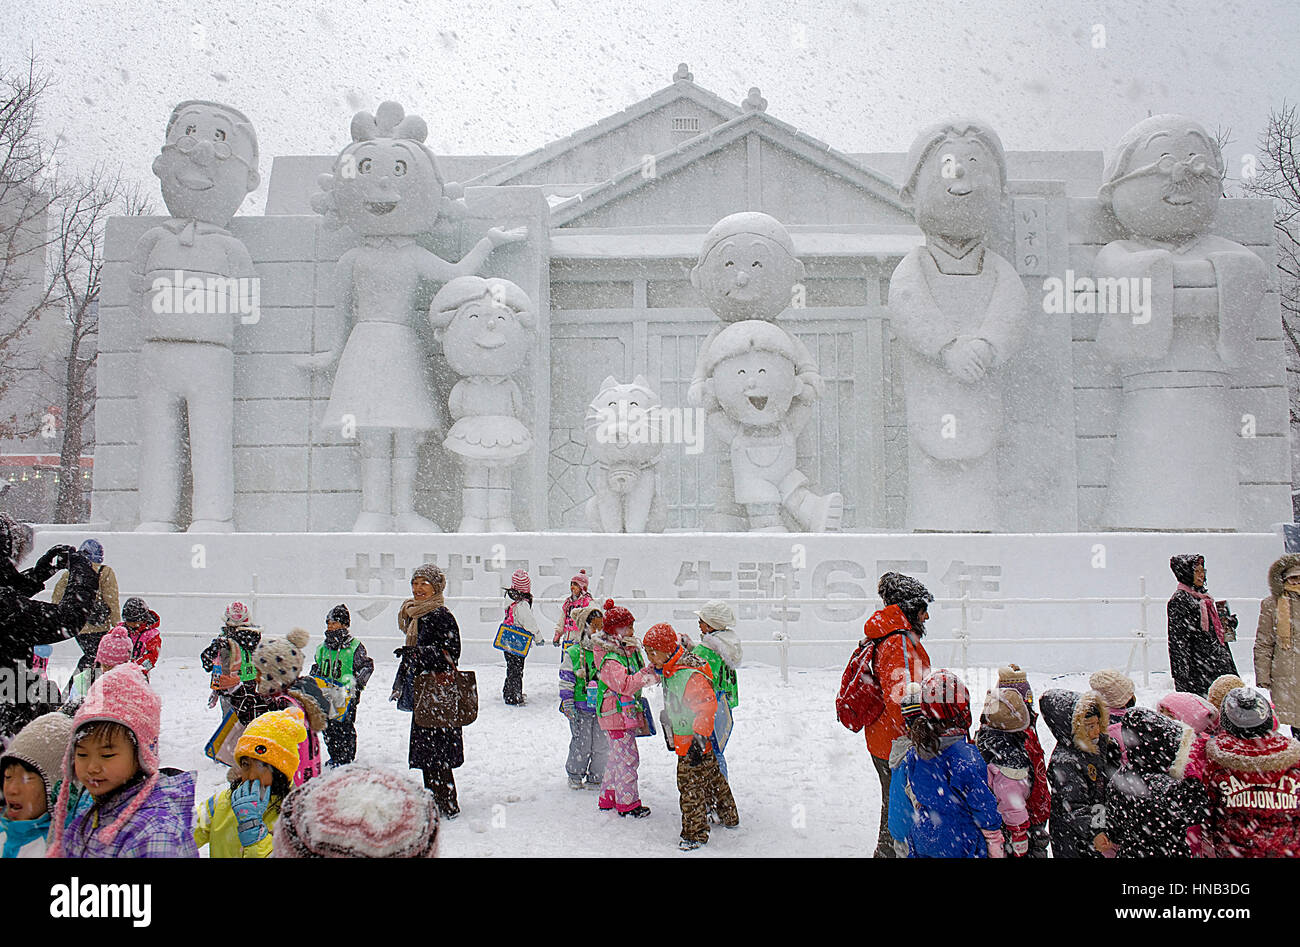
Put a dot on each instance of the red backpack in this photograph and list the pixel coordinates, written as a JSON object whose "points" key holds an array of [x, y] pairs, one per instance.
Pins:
{"points": [[861, 699]]}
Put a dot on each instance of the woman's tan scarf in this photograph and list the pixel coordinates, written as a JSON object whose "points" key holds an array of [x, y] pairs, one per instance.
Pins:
{"points": [[409, 615], [1283, 625]]}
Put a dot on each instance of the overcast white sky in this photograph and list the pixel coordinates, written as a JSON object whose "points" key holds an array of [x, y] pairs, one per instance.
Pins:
{"points": [[861, 75]]}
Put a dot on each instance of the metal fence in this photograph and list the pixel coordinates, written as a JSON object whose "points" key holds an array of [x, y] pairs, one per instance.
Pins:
{"points": [[1139, 638]]}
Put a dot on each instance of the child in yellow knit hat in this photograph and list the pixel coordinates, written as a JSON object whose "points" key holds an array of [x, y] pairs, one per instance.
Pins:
{"points": [[238, 821]]}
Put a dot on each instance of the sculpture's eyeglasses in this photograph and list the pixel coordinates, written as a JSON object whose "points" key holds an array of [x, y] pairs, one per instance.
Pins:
{"points": [[221, 149], [1196, 164]]}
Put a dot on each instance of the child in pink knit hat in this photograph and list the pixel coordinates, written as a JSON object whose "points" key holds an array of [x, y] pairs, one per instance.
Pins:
{"points": [[138, 809], [114, 649], [1203, 717]]}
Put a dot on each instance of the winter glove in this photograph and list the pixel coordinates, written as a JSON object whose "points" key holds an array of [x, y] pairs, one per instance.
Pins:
{"points": [[1019, 839], [994, 838], [567, 707], [250, 800], [55, 558], [695, 755]]}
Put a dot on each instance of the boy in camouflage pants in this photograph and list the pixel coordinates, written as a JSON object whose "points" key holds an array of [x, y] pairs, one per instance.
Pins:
{"points": [[689, 708]]}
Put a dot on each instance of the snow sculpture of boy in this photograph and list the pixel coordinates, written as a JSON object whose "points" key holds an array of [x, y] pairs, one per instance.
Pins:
{"points": [[207, 166], [486, 330], [387, 188], [959, 310], [751, 374], [747, 270], [1174, 464]]}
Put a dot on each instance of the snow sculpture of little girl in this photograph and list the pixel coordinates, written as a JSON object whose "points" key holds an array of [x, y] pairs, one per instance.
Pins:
{"points": [[485, 327], [750, 373], [387, 188]]}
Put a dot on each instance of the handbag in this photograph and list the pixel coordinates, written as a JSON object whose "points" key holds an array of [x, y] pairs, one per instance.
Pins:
{"points": [[445, 699], [647, 726], [722, 721], [511, 638], [1228, 619]]}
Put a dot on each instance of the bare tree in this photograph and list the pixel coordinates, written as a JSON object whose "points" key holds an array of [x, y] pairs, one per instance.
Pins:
{"points": [[50, 264], [27, 194], [78, 258], [1277, 177]]}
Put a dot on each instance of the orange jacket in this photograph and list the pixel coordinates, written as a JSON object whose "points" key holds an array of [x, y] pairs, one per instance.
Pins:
{"points": [[892, 672], [697, 695]]}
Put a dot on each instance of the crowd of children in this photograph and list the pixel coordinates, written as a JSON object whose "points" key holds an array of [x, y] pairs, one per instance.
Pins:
{"points": [[1198, 775]]}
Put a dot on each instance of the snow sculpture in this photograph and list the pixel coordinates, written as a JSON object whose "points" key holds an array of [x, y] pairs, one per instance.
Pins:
{"points": [[747, 270], [751, 374], [387, 188], [207, 166], [485, 327], [622, 432], [1192, 299], [959, 310]]}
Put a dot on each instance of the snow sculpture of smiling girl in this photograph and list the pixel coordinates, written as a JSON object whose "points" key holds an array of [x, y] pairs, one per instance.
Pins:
{"points": [[387, 188], [750, 371], [486, 329]]}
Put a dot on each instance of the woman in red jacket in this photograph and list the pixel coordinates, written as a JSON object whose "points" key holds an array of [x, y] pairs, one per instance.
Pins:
{"points": [[898, 658]]}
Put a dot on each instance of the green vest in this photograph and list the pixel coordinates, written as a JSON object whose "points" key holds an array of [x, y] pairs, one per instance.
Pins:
{"points": [[724, 677], [632, 663], [680, 715], [337, 664], [580, 659], [247, 670]]}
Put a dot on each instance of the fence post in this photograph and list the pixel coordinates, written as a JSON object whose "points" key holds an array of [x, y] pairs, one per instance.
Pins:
{"points": [[965, 631], [252, 598], [785, 633], [1146, 641]]}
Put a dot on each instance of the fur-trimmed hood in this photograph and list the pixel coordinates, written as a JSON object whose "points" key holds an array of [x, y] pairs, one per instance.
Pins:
{"points": [[726, 643], [1155, 743], [1278, 570], [1065, 711], [1270, 754]]}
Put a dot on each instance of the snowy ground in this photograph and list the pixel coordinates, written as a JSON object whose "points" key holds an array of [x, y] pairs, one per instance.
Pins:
{"points": [[804, 785]]}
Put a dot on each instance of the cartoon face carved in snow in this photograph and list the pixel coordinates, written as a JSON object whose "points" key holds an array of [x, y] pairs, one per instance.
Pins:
{"points": [[752, 373], [620, 422], [386, 183], [485, 325], [208, 164]]}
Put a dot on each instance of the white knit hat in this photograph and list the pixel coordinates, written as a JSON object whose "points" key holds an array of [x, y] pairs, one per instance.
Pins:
{"points": [[717, 615]]}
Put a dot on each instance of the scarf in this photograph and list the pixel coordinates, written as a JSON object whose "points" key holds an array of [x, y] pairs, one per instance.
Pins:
{"points": [[18, 833], [1209, 612], [409, 615], [1283, 623]]}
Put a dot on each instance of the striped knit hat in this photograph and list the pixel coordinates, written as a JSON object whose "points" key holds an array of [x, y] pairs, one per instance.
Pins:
{"points": [[358, 811], [519, 582], [122, 696]]}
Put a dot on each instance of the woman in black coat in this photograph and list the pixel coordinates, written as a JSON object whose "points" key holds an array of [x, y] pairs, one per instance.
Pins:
{"points": [[432, 644], [1198, 647], [25, 623], [1149, 805]]}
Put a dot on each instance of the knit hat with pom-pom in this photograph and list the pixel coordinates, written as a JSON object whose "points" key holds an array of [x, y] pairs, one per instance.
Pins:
{"points": [[580, 580], [279, 661], [114, 648], [358, 811], [616, 617], [1114, 687]]}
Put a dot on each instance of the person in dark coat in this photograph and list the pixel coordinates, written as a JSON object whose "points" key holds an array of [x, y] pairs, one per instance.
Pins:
{"points": [[1149, 805], [1198, 635], [432, 644], [1081, 766], [25, 623]]}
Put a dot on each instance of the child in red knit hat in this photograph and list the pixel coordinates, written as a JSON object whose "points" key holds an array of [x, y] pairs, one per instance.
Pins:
{"points": [[139, 810], [621, 673], [690, 705]]}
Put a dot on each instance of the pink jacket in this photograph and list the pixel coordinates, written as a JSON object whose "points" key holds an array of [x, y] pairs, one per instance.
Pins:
{"points": [[1012, 795], [620, 684]]}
